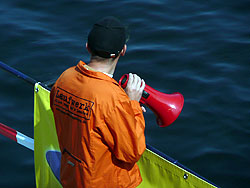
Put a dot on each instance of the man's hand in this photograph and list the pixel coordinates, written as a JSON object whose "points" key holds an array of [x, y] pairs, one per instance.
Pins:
{"points": [[135, 87]]}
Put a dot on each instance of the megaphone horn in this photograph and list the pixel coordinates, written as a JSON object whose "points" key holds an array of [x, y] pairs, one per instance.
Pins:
{"points": [[167, 107]]}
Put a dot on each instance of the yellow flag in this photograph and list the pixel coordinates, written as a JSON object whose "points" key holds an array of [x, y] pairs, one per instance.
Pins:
{"points": [[46, 148]]}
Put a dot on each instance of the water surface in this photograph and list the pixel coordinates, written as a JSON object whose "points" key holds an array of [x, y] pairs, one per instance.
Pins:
{"points": [[198, 48]]}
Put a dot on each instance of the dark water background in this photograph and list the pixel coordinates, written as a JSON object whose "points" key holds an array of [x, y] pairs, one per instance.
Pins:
{"points": [[198, 48]]}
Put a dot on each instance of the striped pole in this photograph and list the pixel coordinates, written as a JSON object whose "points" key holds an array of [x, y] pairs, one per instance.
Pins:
{"points": [[17, 136]]}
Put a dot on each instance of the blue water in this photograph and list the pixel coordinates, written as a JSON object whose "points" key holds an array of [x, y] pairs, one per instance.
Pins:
{"points": [[198, 48]]}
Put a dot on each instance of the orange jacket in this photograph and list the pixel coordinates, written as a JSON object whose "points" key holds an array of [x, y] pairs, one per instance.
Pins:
{"points": [[100, 130]]}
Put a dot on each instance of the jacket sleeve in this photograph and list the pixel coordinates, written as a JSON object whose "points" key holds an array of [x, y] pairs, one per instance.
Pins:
{"points": [[124, 131]]}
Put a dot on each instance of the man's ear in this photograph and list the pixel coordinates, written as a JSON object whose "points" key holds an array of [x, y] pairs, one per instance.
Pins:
{"points": [[124, 50], [87, 47]]}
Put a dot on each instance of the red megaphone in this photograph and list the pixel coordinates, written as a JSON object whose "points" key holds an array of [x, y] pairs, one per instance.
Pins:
{"points": [[167, 107]]}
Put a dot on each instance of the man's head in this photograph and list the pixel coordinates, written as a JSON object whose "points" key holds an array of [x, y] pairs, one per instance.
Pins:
{"points": [[107, 38]]}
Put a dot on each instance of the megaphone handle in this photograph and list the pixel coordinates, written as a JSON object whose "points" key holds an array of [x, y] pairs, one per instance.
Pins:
{"points": [[145, 94], [123, 82]]}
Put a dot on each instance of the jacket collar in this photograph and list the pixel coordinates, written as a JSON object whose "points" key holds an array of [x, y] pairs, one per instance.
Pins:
{"points": [[95, 74]]}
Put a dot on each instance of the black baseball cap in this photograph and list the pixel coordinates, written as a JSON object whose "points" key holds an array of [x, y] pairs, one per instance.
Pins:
{"points": [[107, 37]]}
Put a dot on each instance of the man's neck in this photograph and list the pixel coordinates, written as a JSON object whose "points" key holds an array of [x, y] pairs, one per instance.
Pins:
{"points": [[103, 66]]}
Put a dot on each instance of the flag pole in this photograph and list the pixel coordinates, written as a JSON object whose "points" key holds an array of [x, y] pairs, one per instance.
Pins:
{"points": [[21, 75], [17, 73]]}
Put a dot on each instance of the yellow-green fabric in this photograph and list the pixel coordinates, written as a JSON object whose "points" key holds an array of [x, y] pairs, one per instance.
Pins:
{"points": [[45, 138], [156, 171]]}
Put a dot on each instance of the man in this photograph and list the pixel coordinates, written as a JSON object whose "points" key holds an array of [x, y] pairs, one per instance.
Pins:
{"points": [[100, 127]]}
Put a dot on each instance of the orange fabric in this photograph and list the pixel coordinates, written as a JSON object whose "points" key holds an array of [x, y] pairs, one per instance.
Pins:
{"points": [[100, 130]]}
